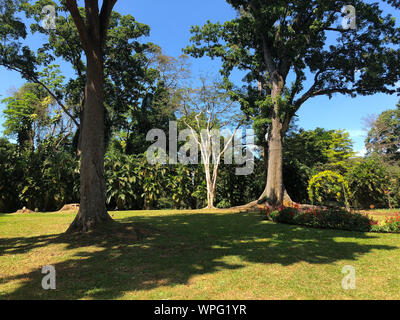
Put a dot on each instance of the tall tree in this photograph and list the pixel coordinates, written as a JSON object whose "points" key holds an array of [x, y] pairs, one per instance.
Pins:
{"points": [[276, 41], [126, 60], [26, 113], [384, 135], [32, 117], [92, 31], [157, 107]]}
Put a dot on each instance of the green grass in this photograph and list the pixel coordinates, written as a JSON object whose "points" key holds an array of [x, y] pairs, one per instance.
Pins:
{"points": [[381, 214], [194, 255], [383, 211]]}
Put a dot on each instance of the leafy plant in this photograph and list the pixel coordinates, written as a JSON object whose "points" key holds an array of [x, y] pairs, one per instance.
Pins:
{"points": [[368, 181], [122, 179], [328, 186]]}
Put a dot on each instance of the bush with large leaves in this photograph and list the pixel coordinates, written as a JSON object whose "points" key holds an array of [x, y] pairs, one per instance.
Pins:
{"points": [[122, 178], [10, 176], [50, 179]]}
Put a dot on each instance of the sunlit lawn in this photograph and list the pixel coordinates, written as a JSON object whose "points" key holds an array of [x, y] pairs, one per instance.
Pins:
{"points": [[194, 255], [381, 214]]}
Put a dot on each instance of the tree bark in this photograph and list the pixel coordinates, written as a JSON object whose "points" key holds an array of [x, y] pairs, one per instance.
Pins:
{"points": [[210, 187], [265, 158], [92, 32], [92, 210], [287, 200], [210, 200], [274, 190]]}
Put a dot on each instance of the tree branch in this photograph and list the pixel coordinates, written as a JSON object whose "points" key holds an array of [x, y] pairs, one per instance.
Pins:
{"points": [[37, 81], [105, 16], [79, 22], [328, 91], [57, 100]]}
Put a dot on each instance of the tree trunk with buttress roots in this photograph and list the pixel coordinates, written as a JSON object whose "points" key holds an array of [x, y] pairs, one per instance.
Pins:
{"points": [[92, 32], [92, 211]]}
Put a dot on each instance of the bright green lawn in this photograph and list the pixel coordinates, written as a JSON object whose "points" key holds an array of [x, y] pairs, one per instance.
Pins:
{"points": [[194, 255]]}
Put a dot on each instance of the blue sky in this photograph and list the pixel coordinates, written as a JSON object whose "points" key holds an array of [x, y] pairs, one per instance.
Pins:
{"points": [[170, 22]]}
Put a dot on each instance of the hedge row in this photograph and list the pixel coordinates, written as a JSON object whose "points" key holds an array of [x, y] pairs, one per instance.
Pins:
{"points": [[339, 219]]}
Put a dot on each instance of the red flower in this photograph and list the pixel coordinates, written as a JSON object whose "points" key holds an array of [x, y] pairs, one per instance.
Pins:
{"points": [[373, 222]]}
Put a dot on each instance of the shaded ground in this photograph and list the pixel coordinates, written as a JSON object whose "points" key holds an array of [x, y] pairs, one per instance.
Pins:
{"points": [[193, 255]]}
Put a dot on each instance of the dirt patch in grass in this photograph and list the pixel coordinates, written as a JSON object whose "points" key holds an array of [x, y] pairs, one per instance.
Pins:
{"points": [[24, 211], [70, 207]]}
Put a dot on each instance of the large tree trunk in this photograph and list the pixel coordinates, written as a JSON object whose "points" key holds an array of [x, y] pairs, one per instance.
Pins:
{"points": [[274, 190], [287, 200], [265, 157], [92, 32], [92, 209]]}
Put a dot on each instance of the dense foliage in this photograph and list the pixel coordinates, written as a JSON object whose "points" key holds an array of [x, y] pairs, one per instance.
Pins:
{"points": [[46, 180], [48, 177], [43, 179]]}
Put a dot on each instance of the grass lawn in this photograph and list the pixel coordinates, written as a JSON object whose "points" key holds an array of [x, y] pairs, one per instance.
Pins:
{"points": [[194, 255], [381, 214]]}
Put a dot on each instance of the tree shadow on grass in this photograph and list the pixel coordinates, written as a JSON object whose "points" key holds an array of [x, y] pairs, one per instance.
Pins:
{"points": [[169, 250]]}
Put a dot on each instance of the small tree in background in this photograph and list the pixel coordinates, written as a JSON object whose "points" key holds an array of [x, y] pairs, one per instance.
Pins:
{"points": [[207, 111], [308, 152]]}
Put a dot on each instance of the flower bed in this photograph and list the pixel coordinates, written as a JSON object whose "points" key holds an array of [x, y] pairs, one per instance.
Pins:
{"points": [[332, 219], [390, 225]]}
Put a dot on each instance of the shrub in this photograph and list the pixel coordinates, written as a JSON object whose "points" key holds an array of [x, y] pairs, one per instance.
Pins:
{"points": [[325, 219], [11, 175], [328, 186], [224, 204], [368, 181]]}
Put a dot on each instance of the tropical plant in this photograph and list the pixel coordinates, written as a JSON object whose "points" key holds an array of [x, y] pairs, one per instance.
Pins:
{"points": [[122, 180], [327, 187]]}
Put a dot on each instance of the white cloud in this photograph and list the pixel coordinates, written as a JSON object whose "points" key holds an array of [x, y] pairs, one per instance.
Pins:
{"points": [[357, 133], [361, 153]]}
